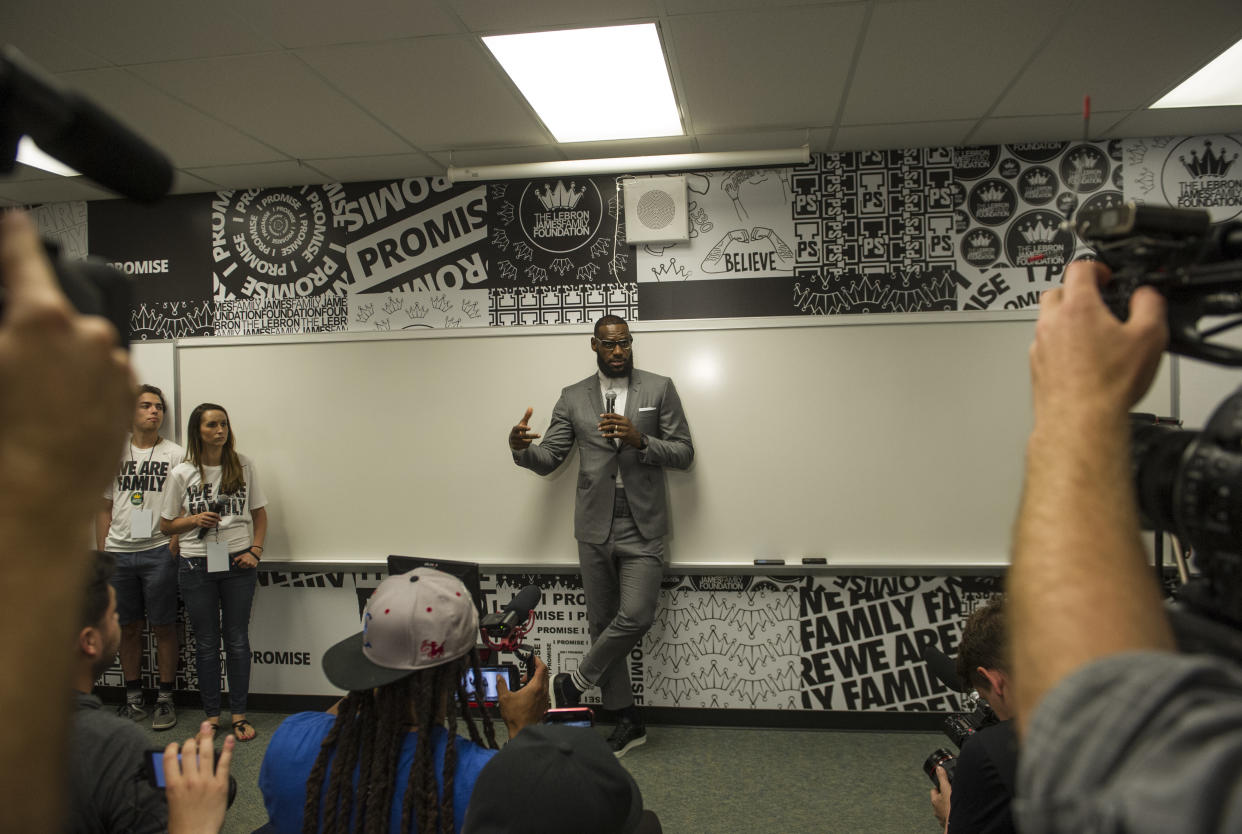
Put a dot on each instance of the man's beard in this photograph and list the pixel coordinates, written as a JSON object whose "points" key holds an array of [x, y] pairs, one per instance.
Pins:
{"points": [[609, 371]]}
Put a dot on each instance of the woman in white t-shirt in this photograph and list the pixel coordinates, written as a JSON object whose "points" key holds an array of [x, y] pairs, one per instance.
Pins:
{"points": [[214, 503]]}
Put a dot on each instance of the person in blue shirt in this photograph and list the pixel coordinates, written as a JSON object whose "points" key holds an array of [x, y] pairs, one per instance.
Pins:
{"points": [[381, 759]]}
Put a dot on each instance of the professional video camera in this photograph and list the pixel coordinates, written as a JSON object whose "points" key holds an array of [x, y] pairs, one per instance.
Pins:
{"points": [[1188, 483], [93, 143], [958, 726]]}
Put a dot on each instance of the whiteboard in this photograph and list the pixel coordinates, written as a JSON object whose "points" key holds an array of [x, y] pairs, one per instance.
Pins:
{"points": [[885, 444]]}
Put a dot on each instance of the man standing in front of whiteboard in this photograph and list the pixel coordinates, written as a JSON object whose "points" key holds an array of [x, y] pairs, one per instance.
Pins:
{"points": [[127, 525], [620, 512]]}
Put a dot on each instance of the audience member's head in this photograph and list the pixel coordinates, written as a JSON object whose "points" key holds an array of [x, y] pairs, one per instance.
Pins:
{"points": [[99, 630], [403, 669], [553, 779], [983, 656]]}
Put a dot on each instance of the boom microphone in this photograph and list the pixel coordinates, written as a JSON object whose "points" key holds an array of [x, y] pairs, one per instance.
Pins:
{"points": [[514, 614], [80, 134]]}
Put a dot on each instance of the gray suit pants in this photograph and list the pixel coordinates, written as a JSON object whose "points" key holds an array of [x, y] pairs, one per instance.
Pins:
{"points": [[621, 578]]}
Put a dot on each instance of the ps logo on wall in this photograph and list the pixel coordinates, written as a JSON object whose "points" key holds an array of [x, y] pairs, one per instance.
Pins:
{"points": [[276, 243]]}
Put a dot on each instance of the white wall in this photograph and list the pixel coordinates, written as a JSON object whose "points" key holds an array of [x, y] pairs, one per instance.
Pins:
{"points": [[895, 443]]}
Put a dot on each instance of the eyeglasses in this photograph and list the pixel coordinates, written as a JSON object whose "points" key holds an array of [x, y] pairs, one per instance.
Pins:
{"points": [[609, 344]]}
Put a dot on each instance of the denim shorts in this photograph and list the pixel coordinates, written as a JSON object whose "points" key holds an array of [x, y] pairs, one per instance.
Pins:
{"points": [[146, 583]]}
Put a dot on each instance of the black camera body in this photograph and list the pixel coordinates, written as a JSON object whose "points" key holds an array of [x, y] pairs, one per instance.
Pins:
{"points": [[959, 727], [1188, 483]]}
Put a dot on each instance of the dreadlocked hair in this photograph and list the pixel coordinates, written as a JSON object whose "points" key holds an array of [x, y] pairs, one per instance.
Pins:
{"points": [[368, 734]]}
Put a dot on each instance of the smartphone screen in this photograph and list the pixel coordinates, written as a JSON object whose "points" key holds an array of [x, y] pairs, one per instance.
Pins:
{"points": [[157, 767], [491, 694]]}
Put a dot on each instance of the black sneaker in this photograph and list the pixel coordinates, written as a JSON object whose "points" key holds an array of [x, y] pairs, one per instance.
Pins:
{"points": [[567, 695], [627, 735], [132, 711], [165, 716]]}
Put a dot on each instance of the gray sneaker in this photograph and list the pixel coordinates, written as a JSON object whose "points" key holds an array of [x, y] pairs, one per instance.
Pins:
{"points": [[165, 716], [132, 711]]}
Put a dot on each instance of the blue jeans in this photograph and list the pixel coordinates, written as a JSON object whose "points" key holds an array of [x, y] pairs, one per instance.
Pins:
{"points": [[209, 599]]}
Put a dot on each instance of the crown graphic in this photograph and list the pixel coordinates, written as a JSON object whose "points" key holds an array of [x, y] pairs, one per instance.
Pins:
{"points": [[1037, 178], [1210, 164], [1038, 232], [560, 197], [1083, 160], [992, 194], [980, 240]]}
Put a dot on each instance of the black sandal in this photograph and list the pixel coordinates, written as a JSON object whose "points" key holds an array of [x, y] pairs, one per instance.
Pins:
{"points": [[242, 724]]}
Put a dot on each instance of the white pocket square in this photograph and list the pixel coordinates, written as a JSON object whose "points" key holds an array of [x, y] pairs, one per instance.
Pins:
{"points": [[647, 408]]}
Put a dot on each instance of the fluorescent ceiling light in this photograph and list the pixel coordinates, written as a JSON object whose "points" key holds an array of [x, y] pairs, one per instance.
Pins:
{"points": [[593, 84], [1219, 84], [28, 153]]}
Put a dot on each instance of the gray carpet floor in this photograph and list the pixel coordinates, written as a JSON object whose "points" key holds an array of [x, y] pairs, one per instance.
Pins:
{"points": [[718, 780]]}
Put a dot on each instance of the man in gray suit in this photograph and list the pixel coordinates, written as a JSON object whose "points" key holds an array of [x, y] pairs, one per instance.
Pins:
{"points": [[621, 510]]}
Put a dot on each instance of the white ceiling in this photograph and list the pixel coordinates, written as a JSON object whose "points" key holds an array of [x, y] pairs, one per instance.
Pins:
{"points": [[249, 93]]}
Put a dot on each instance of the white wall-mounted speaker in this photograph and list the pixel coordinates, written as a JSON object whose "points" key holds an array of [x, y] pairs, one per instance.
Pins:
{"points": [[656, 210]]}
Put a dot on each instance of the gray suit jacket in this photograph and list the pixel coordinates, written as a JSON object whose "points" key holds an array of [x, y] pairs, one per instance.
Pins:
{"points": [[654, 408]]}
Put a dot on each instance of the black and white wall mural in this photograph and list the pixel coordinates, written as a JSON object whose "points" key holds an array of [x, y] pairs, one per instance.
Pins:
{"points": [[895, 231], [811, 643]]}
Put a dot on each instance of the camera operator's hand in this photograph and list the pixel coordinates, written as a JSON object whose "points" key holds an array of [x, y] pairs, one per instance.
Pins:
{"points": [[527, 705], [68, 395], [198, 793], [940, 798], [66, 401], [1085, 364]]}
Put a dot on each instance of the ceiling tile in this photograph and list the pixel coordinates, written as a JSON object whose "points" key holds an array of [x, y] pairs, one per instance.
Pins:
{"points": [[532, 15], [278, 100], [754, 141], [53, 191], [25, 26], [943, 60], [1124, 56], [368, 168], [782, 68], [1188, 121], [912, 135], [470, 101], [141, 31], [262, 175], [297, 23], [676, 7], [186, 183], [1040, 128], [189, 137]]}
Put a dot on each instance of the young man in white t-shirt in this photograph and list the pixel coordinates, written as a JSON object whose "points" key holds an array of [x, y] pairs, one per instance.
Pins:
{"points": [[127, 526]]}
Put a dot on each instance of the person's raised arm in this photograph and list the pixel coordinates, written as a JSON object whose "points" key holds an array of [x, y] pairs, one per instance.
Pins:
{"points": [[66, 401], [1079, 586]]}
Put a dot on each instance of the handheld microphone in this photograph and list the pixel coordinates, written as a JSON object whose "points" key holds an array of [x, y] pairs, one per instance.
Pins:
{"points": [[610, 401], [514, 614], [213, 507]]}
